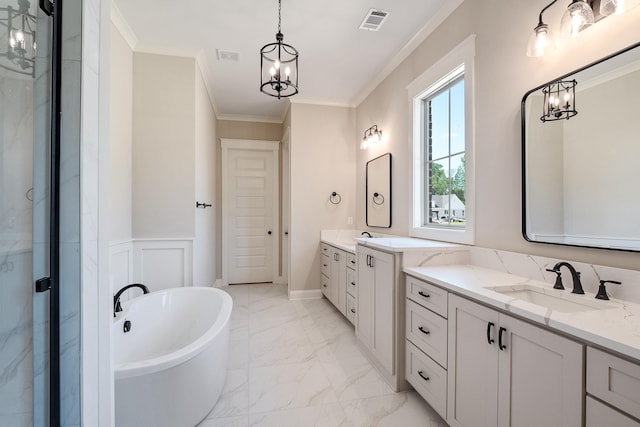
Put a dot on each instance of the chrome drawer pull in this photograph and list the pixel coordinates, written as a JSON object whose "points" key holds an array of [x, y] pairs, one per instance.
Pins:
{"points": [[423, 377], [422, 294], [423, 330]]}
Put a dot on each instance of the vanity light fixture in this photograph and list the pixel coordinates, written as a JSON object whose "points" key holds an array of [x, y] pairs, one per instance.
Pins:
{"points": [[279, 66], [371, 136], [20, 26], [559, 101], [542, 39], [579, 15]]}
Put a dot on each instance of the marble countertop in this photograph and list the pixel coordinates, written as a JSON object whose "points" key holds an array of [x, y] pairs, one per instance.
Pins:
{"points": [[613, 324], [344, 245], [403, 244]]}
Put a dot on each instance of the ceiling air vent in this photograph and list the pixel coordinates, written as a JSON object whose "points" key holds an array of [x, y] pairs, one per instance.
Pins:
{"points": [[226, 55], [374, 20]]}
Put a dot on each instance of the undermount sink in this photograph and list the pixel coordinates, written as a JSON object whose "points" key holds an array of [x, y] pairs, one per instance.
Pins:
{"points": [[562, 301]]}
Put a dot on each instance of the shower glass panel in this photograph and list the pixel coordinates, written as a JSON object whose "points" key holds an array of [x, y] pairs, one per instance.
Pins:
{"points": [[39, 375], [17, 31]]}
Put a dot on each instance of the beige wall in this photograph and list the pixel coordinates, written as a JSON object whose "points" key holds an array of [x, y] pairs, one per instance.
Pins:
{"points": [[164, 150], [503, 74], [204, 251], [249, 130], [323, 157], [120, 140]]}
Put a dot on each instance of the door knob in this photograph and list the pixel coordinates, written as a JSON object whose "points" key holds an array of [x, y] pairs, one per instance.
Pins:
{"points": [[269, 232]]}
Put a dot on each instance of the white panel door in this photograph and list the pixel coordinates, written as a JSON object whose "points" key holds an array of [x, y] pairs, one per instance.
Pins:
{"points": [[250, 229]]}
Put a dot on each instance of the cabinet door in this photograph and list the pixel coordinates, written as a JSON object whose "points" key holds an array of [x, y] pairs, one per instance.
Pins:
{"points": [[384, 304], [364, 300], [540, 377], [473, 364], [339, 280]]}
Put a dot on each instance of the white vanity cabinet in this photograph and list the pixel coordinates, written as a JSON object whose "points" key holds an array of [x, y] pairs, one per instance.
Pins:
{"points": [[334, 269], [506, 372], [616, 382], [377, 320], [426, 341]]}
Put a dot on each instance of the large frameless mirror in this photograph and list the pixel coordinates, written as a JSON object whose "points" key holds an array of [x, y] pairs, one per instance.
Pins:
{"points": [[379, 191], [580, 151]]}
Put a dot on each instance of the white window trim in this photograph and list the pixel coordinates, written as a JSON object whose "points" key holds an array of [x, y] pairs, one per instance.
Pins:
{"points": [[463, 54]]}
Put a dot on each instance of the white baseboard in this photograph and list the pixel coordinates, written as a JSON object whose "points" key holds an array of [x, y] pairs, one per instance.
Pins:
{"points": [[312, 294]]}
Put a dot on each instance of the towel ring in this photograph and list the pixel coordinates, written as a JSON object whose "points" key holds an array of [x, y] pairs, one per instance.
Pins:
{"points": [[376, 197], [335, 198]]}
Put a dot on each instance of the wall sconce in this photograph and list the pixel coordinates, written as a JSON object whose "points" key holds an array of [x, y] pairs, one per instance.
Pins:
{"points": [[20, 32], [579, 15], [371, 136], [559, 101]]}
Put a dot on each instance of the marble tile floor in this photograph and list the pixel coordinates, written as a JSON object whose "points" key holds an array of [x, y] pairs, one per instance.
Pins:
{"points": [[296, 363]]}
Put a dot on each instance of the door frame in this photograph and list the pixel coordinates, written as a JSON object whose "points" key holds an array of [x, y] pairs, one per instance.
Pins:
{"points": [[251, 145], [286, 208]]}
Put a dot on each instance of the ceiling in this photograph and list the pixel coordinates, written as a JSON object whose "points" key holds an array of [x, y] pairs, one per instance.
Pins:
{"points": [[339, 63]]}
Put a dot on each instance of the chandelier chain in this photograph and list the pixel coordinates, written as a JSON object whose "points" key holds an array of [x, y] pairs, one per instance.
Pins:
{"points": [[279, 14]]}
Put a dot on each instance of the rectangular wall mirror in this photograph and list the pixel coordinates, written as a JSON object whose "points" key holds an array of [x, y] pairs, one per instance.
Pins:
{"points": [[581, 174], [379, 191]]}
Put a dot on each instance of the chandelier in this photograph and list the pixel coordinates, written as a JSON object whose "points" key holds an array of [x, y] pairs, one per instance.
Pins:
{"points": [[279, 66], [18, 26]]}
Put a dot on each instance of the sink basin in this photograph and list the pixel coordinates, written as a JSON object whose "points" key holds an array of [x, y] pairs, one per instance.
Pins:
{"points": [[562, 301]]}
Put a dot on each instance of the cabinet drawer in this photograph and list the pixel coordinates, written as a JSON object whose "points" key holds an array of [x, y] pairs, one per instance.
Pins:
{"points": [[428, 378], [351, 308], [427, 295], [324, 285], [351, 282], [325, 249], [351, 260], [325, 265], [599, 414], [614, 380], [427, 331]]}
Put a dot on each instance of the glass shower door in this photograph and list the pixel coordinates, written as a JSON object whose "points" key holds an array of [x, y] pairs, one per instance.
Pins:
{"points": [[17, 30]]}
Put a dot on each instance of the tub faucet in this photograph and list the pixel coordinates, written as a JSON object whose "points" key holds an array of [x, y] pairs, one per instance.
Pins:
{"points": [[366, 233], [575, 275], [116, 298]]}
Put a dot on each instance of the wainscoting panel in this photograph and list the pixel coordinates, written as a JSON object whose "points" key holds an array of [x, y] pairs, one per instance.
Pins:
{"points": [[121, 264], [162, 264]]}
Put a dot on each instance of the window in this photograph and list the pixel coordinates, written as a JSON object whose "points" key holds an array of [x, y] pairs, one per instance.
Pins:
{"points": [[442, 100]]}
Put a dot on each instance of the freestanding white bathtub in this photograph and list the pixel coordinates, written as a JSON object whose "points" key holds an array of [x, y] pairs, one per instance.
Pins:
{"points": [[171, 366]]}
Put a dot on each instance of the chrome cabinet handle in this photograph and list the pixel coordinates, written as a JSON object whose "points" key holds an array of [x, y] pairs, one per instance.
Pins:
{"points": [[423, 377], [423, 330]]}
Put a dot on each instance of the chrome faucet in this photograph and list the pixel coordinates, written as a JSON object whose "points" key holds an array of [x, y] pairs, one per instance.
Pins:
{"points": [[116, 298], [366, 233], [575, 275]]}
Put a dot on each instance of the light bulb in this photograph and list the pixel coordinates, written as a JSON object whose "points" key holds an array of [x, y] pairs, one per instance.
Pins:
{"points": [[364, 144], [277, 64], [19, 35], [272, 71], [567, 97], [287, 72]]}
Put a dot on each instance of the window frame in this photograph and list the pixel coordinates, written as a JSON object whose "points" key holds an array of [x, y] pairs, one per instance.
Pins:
{"points": [[428, 83]]}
